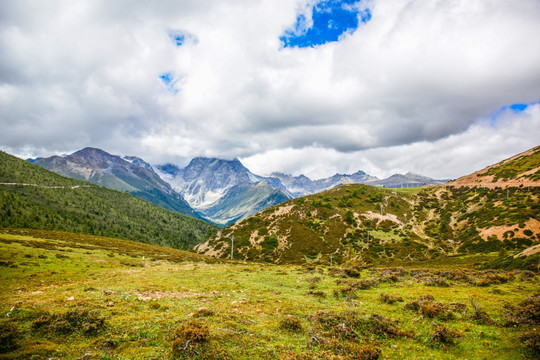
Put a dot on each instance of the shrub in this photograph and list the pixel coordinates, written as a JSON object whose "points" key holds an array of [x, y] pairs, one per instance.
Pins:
{"points": [[445, 336], [427, 306], [381, 325], [532, 341], [347, 291], [351, 272], [479, 316], [291, 324], [194, 331], [315, 279], [87, 321], [390, 298], [353, 350], [204, 311], [526, 312], [317, 293], [415, 305], [435, 310], [192, 341], [366, 284], [8, 337], [493, 279], [436, 281]]}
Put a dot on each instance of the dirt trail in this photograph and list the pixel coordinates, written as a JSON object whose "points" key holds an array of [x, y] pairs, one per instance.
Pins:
{"points": [[47, 187]]}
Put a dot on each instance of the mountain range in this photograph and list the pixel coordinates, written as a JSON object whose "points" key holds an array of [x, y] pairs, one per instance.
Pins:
{"points": [[493, 210], [220, 191]]}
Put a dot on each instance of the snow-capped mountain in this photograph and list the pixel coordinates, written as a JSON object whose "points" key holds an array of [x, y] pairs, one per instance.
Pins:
{"points": [[302, 185], [223, 191], [408, 180]]}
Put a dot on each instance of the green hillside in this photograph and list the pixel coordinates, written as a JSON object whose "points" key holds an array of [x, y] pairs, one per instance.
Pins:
{"points": [[53, 202], [348, 224], [521, 169]]}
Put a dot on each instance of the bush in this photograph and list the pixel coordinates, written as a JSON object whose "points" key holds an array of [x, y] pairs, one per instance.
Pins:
{"points": [[479, 316], [353, 350], [427, 306], [445, 336], [194, 331], [435, 310], [291, 324], [415, 305], [8, 337], [532, 341], [192, 341], [87, 321], [317, 293], [526, 312], [381, 325], [493, 279], [353, 273], [390, 298], [204, 311], [436, 281]]}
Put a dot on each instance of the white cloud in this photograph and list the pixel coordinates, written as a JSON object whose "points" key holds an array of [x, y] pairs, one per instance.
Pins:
{"points": [[406, 91], [486, 142]]}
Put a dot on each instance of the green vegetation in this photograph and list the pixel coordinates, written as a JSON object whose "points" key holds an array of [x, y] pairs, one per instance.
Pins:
{"points": [[368, 225], [64, 204], [522, 164], [70, 296]]}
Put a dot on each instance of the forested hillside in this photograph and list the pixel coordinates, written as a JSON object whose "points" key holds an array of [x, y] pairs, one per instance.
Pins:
{"points": [[35, 198]]}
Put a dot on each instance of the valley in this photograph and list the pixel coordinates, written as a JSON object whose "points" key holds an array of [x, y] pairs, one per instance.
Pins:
{"points": [[353, 272]]}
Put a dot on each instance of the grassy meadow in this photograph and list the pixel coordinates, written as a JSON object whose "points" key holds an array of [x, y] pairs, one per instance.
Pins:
{"points": [[72, 296]]}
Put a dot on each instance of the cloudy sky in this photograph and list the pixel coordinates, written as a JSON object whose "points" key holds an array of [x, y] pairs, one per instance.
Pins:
{"points": [[439, 87]]}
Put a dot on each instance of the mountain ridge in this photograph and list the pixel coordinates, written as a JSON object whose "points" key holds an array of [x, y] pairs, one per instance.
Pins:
{"points": [[374, 225], [135, 176], [222, 191]]}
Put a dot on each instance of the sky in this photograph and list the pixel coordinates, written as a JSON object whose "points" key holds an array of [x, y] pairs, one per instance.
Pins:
{"points": [[440, 88]]}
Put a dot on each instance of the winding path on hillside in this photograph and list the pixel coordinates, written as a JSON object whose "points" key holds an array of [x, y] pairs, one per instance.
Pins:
{"points": [[47, 187]]}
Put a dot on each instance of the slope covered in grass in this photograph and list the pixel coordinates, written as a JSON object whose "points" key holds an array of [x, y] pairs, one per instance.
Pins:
{"points": [[522, 169], [32, 197], [374, 225], [70, 296]]}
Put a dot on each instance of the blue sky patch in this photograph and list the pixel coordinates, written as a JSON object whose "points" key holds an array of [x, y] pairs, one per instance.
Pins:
{"points": [[330, 19], [515, 108], [169, 81], [180, 37], [518, 107]]}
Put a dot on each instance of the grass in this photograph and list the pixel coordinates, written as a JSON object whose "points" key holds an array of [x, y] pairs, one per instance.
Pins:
{"points": [[173, 304]]}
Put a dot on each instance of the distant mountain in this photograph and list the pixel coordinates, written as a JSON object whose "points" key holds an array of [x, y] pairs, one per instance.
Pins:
{"points": [[130, 174], [521, 169], [405, 181], [222, 191], [35, 198], [302, 185], [374, 225]]}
